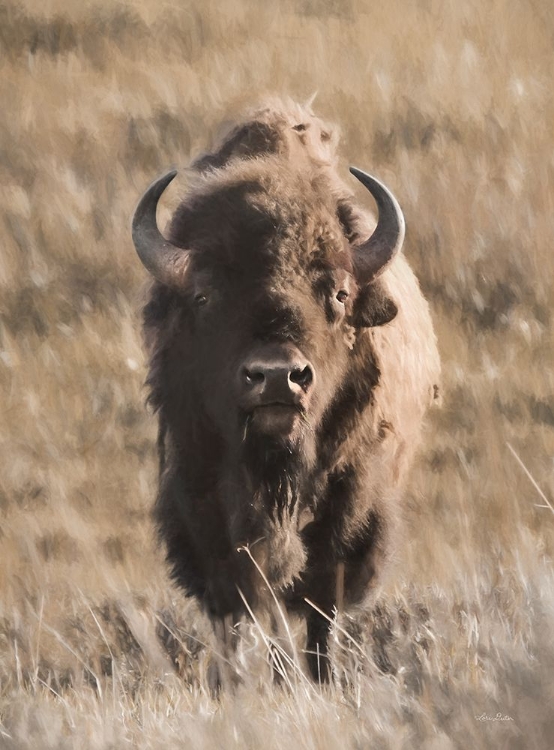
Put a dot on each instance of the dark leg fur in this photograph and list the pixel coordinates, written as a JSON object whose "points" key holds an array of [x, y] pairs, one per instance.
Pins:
{"points": [[335, 577], [317, 647]]}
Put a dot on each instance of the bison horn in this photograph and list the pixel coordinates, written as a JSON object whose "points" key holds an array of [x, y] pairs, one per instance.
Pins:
{"points": [[164, 261], [373, 257]]}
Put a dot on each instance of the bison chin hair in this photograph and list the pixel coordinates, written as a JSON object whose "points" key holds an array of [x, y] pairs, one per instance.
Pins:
{"points": [[279, 468]]}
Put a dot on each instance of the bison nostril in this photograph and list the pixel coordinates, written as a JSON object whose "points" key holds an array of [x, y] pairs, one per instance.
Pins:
{"points": [[253, 377], [303, 377]]}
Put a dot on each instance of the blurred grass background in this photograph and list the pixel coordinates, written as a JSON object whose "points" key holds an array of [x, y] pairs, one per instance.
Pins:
{"points": [[451, 104]]}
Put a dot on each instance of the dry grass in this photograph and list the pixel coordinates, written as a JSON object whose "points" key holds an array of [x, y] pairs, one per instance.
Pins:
{"points": [[451, 103]]}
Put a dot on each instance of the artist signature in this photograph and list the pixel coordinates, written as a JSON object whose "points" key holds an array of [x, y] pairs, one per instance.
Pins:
{"points": [[498, 717]]}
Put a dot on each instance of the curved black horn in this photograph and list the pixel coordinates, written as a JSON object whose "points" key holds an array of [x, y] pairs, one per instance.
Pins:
{"points": [[373, 257], [162, 259]]}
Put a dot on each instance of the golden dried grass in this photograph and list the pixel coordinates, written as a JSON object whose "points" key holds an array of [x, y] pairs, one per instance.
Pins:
{"points": [[451, 103]]}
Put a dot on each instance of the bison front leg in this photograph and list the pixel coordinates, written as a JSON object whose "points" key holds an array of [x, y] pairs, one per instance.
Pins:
{"points": [[330, 598], [222, 672], [317, 647], [340, 573]]}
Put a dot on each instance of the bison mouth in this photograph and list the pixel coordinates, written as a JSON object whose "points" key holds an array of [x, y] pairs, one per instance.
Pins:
{"points": [[277, 419]]}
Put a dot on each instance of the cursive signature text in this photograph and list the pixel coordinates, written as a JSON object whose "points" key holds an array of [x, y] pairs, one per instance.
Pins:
{"points": [[498, 717]]}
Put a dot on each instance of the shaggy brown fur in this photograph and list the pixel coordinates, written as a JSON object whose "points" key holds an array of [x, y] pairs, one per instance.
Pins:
{"points": [[277, 127], [272, 228]]}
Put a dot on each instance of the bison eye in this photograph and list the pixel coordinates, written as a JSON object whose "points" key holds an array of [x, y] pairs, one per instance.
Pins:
{"points": [[342, 296], [200, 299]]}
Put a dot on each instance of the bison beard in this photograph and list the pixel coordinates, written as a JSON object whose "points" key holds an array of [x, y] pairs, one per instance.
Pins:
{"points": [[292, 359], [277, 470]]}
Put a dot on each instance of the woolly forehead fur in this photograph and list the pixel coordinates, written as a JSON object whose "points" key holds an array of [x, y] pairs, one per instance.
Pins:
{"points": [[262, 211], [319, 138], [277, 126]]}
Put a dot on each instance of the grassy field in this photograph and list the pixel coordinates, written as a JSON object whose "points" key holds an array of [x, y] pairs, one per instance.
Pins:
{"points": [[451, 103]]}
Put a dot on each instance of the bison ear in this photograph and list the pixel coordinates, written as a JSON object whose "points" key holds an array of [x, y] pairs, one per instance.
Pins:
{"points": [[373, 307]]}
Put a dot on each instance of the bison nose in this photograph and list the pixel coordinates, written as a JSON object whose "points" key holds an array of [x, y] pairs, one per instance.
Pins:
{"points": [[276, 381]]}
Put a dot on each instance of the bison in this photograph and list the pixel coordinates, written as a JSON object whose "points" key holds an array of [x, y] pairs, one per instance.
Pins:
{"points": [[292, 359]]}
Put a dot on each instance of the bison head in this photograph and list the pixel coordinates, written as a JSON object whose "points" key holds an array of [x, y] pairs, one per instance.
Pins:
{"points": [[269, 283]]}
